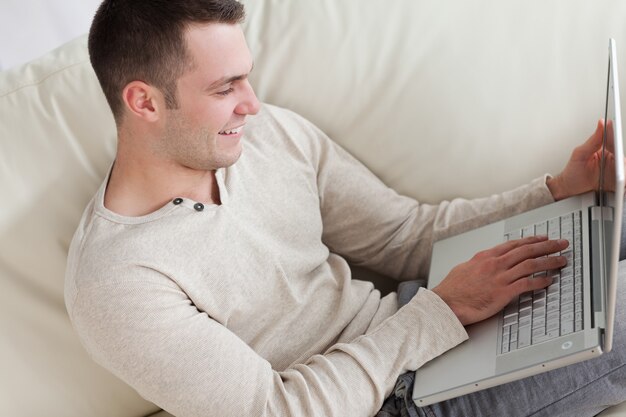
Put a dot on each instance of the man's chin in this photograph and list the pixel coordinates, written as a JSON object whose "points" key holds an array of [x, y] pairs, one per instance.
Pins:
{"points": [[229, 156]]}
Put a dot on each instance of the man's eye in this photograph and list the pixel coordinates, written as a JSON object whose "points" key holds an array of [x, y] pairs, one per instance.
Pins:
{"points": [[225, 92]]}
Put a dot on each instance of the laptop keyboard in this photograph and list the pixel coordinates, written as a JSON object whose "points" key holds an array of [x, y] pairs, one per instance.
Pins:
{"points": [[545, 314]]}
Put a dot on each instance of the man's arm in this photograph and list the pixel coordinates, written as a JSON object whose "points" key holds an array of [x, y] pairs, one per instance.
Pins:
{"points": [[148, 332], [392, 230], [481, 287], [371, 225]]}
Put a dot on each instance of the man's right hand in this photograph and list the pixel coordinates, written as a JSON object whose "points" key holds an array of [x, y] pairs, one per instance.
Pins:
{"points": [[484, 285]]}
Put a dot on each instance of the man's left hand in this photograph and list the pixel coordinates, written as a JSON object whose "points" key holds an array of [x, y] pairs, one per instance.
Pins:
{"points": [[582, 172]]}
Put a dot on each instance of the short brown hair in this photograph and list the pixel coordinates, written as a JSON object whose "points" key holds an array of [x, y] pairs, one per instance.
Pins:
{"points": [[144, 40]]}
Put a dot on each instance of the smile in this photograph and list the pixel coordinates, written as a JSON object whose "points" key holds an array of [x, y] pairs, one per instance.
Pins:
{"points": [[234, 131]]}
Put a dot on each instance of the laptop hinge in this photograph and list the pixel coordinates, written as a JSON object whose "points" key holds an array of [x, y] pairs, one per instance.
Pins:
{"points": [[601, 238]]}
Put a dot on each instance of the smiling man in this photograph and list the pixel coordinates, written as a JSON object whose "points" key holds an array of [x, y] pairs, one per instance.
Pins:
{"points": [[210, 269], [165, 144]]}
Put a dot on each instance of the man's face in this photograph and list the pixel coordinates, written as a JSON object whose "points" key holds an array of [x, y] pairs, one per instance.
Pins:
{"points": [[214, 98]]}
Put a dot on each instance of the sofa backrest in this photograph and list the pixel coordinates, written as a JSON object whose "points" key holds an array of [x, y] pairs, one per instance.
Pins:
{"points": [[56, 141], [438, 98], [442, 99]]}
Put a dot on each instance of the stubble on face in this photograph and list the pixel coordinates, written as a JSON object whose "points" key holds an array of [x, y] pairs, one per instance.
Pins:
{"points": [[197, 148]]}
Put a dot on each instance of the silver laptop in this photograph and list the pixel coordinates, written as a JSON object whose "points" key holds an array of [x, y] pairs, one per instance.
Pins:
{"points": [[571, 320]]}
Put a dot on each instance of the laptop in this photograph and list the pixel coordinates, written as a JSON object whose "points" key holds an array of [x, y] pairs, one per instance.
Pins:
{"points": [[571, 320]]}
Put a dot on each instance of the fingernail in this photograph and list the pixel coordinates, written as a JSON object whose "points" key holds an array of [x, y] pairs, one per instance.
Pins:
{"points": [[563, 242]]}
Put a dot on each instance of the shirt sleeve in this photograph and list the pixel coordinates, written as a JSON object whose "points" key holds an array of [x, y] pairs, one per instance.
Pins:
{"points": [[373, 226], [148, 332]]}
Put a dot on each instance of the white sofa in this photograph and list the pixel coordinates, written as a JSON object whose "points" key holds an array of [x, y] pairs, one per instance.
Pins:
{"points": [[440, 99]]}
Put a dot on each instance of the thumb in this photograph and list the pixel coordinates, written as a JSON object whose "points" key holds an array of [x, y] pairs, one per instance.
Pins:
{"points": [[591, 145]]}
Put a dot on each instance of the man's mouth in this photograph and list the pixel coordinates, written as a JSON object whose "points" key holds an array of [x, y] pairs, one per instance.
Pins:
{"points": [[234, 131]]}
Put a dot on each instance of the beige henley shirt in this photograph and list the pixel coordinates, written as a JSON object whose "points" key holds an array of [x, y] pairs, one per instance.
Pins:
{"points": [[248, 308]]}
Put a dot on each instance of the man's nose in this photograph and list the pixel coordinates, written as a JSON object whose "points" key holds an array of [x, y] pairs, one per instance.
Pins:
{"points": [[250, 103]]}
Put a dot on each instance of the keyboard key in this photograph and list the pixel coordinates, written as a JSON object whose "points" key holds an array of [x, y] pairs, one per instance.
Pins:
{"points": [[553, 289], [524, 321], [552, 308], [538, 334], [578, 316], [578, 325], [539, 322], [514, 235], [567, 328], [526, 306], [578, 307], [514, 334], [567, 298], [567, 318], [510, 320], [505, 340], [567, 308], [553, 323], [554, 228], [528, 231], [523, 337], [541, 229], [567, 289], [551, 334]]}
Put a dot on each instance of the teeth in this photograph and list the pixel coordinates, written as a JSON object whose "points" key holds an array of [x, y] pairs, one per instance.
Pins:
{"points": [[231, 131]]}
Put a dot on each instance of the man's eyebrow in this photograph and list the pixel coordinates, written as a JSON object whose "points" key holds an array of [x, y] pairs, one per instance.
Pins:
{"points": [[227, 80]]}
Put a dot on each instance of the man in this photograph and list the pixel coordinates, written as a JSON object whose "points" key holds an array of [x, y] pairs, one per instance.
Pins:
{"points": [[209, 271]]}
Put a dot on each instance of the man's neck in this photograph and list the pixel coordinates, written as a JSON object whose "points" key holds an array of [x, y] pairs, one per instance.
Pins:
{"points": [[135, 189]]}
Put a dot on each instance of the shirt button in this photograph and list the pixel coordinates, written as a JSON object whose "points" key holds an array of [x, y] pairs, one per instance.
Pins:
{"points": [[198, 206], [177, 201]]}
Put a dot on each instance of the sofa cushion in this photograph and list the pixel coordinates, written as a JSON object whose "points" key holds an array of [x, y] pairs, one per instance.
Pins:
{"points": [[57, 138], [441, 99]]}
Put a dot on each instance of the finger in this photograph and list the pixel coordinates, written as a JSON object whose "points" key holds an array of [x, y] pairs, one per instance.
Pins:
{"points": [[533, 250], [609, 174], [610, 135], [533, 266], [527, 284], [508, 246], [591, 145]]}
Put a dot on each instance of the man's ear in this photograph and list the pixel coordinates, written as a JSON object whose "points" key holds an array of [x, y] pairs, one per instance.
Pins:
{"points": [[143, 100]]}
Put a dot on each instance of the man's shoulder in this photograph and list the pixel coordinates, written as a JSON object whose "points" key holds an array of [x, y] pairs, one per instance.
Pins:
{"points": [[285, 122], [275, 113], [104, 249], [276, 128]]}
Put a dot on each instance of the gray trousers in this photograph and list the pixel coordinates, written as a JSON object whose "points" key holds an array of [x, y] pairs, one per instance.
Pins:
{"points": [[580, 390]]}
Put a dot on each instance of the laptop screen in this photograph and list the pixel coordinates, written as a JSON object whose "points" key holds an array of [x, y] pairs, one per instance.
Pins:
{"points": [[611, 190], [608, 137]]}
